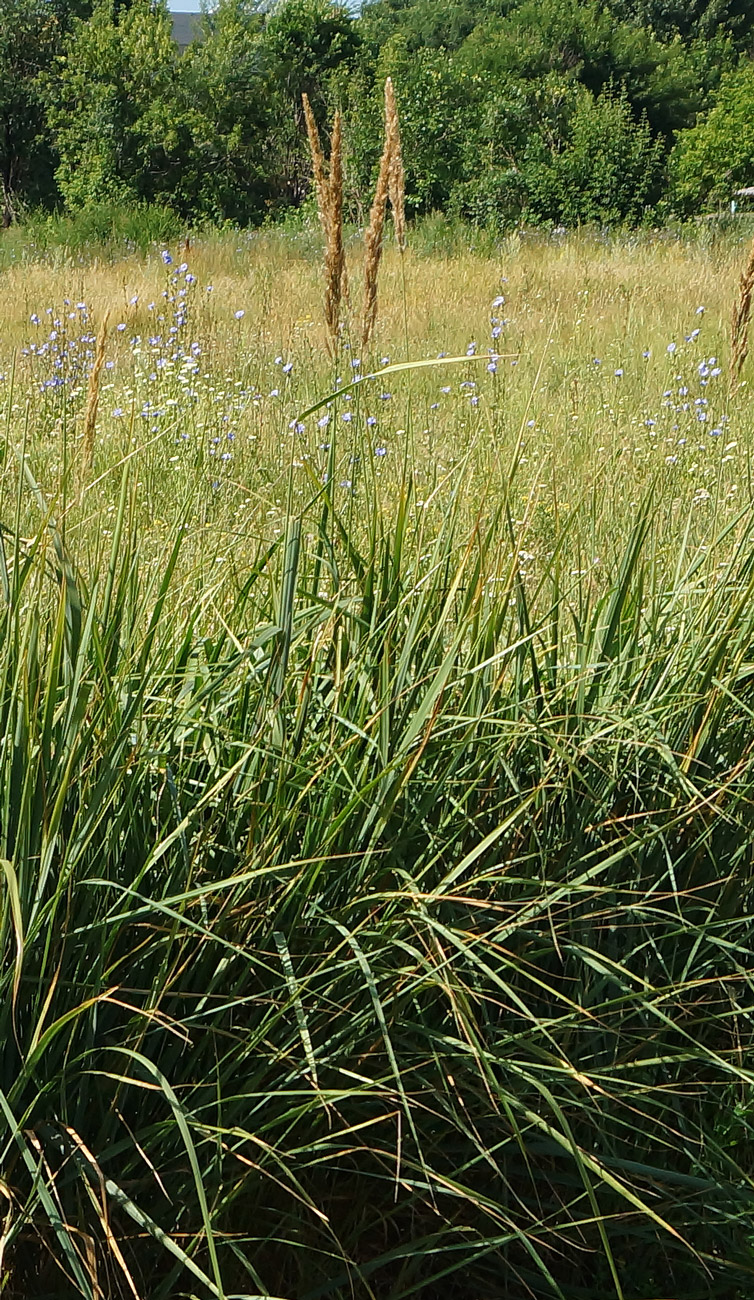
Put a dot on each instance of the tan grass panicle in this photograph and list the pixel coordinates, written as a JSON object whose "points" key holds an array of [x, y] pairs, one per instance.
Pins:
{"points": [[739, 329], [396, 175]]}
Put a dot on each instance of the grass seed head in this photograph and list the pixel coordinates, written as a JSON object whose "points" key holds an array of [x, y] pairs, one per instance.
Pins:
{"points": [[373, 240], [318, 164], [396, 175], [739, 331], [335, 262]]}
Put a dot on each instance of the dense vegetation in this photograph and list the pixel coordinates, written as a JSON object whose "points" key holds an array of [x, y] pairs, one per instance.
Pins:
{"points": [[559, 111], [376, 912]]}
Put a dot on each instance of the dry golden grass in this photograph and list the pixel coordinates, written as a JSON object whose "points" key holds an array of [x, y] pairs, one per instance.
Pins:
{"points": [[92, 405], [587, 438]]}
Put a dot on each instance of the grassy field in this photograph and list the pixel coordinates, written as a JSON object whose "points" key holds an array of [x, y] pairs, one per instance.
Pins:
{"points": [[376, 775]]}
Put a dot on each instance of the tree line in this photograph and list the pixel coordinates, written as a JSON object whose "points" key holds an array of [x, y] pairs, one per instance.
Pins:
{"points": [[560, 111]]}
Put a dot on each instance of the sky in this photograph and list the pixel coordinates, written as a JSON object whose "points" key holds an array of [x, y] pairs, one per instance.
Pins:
{"points": [[184, 6]]}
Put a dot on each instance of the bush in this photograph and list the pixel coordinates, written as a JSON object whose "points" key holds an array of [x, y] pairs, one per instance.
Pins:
{"points": [[716, 156], [111, 226], [609, 171]]}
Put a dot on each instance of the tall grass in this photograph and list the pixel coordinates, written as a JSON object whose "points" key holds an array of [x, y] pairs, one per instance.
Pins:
{"points": [[377, 903], [396, 940]]}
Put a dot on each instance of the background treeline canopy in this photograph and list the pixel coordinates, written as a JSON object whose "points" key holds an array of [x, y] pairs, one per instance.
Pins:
{"points": [[559, 111]]}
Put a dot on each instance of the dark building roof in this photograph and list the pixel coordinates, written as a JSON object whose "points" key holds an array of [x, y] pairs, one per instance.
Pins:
{"points": [[186, 28]]}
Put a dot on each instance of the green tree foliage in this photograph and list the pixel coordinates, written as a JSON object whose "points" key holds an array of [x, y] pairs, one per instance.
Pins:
{"points": [[307, 43], [716, 156], [111, 105], [225, 161], [583, 41], [689, 18], [511, 109], [29, 34], [608, 172], [422, 24]]}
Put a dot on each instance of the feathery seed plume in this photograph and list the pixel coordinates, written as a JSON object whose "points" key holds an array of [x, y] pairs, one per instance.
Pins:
{"points": [[739, 332], [318, 164], [373, 242], [396, 177], [335, 261]]}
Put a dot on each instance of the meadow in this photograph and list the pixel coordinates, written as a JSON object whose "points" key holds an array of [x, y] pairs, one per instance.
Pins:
{"points": [[376, 772]]}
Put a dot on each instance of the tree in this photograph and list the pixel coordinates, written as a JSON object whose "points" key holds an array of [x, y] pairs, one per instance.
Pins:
{"points": [[112, 105], [581, 39], [422, 23], [29, 35], [439, 103], [228, 165], [307, 43], [609, 171], [689, 19], [716, 156]]}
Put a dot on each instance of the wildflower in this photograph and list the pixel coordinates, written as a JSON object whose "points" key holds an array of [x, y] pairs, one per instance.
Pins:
{"points": [[134, 300], [287, 368], [323, 422], [445, 390], [117, 413], [596, 361], [371, 421], [496, 331], [646, 354], [347, 416], [34, 318], [384, 361], [700, 311], [672, 347], [619, 373], [380, 451], [385, 397], [183, 267], [190, 279], [498, 302], [240, 313], [167, 259]]}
